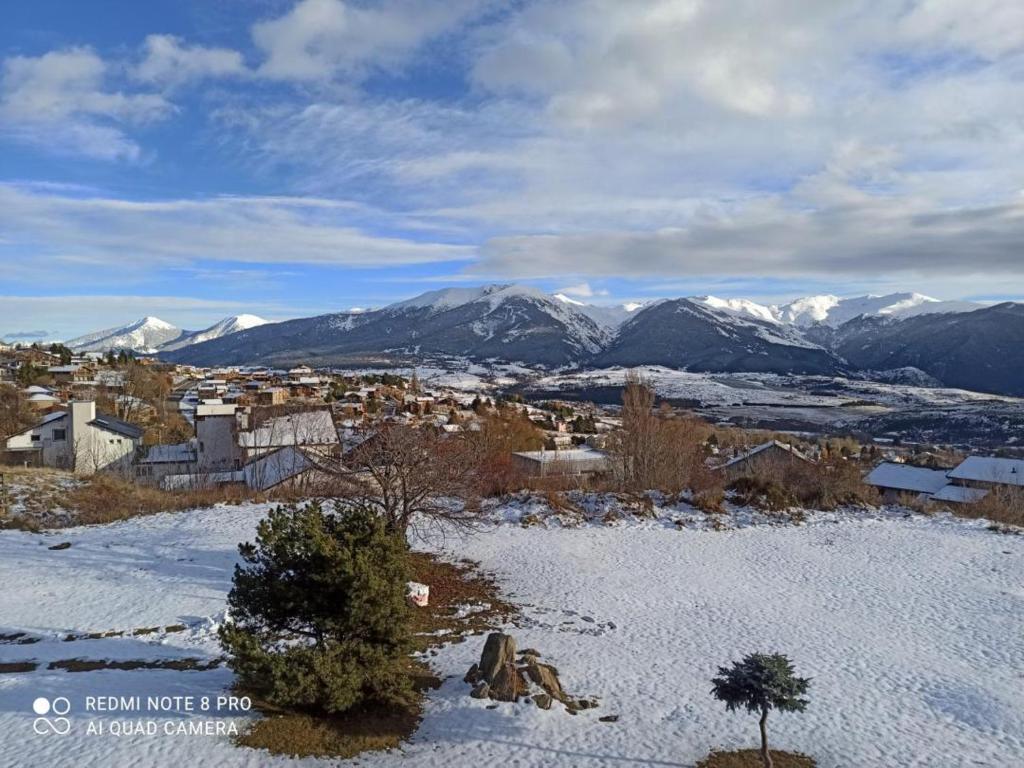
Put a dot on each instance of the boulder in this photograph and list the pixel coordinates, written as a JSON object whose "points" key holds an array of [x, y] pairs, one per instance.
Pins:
{"points": [[481, 691], [499, 650], [546, 677], [542, 700], [508, 684]]}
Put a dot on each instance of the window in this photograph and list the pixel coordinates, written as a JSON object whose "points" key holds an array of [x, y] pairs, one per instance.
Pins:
{"points": [[59, 435], [36, 438]]}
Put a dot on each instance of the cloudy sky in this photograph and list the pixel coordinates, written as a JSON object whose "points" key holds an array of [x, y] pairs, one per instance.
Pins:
{"points": [[192, 160]]}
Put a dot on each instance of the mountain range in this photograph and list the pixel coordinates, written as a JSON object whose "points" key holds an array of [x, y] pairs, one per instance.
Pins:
{"points": [[151, 334], [961, 344]]}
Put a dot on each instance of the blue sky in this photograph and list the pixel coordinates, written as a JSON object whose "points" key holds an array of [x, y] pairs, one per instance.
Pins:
{"points": [[192, 160]]}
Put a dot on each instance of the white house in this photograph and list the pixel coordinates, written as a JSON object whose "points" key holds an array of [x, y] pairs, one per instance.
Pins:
{"points": [[79, 439]]}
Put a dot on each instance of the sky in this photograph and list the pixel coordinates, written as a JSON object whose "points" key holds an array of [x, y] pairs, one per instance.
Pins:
{"points": [[193, 160]]}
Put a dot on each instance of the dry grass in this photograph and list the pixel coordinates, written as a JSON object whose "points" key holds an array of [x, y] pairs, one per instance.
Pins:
{"points": [[376, 728], [301, 735], [1002, 505], [106, 498], [50, 498], [91, 665], [453, 586], [751, 758], [14, 667]]}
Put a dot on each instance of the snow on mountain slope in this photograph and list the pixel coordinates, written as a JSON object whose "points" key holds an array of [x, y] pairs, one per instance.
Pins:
{"points": [[740, 308], [834, 311], [218, 330], [606, 316], [145, 335], [504, 310]]}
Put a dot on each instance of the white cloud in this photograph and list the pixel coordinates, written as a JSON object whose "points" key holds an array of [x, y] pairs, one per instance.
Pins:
{"points": [[169, 60], [318, 39], [105, 232], [582, 290], [867, 239], [61, 102]]}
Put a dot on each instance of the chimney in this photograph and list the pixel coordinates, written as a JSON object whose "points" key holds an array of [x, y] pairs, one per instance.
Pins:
{"points": [[81, 412]]}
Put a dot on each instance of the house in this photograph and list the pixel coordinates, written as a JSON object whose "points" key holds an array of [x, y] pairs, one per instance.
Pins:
{"points": [[70, 374], [217, 426], [895, 480], [290, 467], [575, 462], [313, 430], [272, 396], [767, 457], [79, 439], [227, 441], [165, 460], [988, 471]]}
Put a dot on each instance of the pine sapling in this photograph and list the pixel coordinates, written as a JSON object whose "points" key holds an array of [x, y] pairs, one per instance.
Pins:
{"points": [[761, 683]]}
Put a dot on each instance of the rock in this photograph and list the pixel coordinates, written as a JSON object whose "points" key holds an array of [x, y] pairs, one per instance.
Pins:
{"points": [[542, 700], [508, 684], [473, 676], [482, 691], [530, 652], [546, 677], [62, 545], [609, 719], [499, 650]]}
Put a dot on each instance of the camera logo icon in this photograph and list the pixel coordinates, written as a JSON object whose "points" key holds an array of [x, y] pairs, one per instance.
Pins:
{"points": [[51, 716]]}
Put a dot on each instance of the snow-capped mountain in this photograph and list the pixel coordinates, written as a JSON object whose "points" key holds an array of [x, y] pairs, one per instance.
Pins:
{"points": [[834, 311], [607, 316], [146, 335], [706, 334], [151, 334], [740, 308], [508, 322], [956, 343], [225, 327]]}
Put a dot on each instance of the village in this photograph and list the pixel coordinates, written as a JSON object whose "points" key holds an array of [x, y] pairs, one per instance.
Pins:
{"points": [[268, 431]]}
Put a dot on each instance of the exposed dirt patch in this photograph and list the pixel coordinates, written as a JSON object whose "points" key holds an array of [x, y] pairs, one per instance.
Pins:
{"points": [[751, 758], [91, 665], [12, 667]]}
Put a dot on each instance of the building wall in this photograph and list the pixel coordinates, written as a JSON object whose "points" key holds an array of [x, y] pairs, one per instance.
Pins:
{"points": [[217, 449], [96, 449]]}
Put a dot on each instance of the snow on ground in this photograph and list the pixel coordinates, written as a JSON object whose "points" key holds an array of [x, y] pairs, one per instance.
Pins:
{"points": [[720, 389], [911, 628]]}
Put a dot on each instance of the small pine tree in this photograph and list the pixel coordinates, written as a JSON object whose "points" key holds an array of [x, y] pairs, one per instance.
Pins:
{"points": [[761, 683], [318, 617]]}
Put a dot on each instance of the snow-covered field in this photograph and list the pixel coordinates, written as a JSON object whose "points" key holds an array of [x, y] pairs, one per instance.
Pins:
{"points": [[723, 389], [912, 628]]}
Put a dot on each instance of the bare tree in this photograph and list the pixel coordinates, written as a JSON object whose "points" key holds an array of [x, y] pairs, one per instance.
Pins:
{"points": [[15, 414], [656, 449], [415, 476]]}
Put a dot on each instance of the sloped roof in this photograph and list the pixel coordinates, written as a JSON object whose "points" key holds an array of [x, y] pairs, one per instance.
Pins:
{"points": [[570, 456], [109, 423], [270, 470], [903, 477], [990, 469], [960, 494], [764, 447]]}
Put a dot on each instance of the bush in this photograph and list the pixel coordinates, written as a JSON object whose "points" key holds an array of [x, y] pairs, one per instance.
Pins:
{"points": [[762, 493], [318, 612]]}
